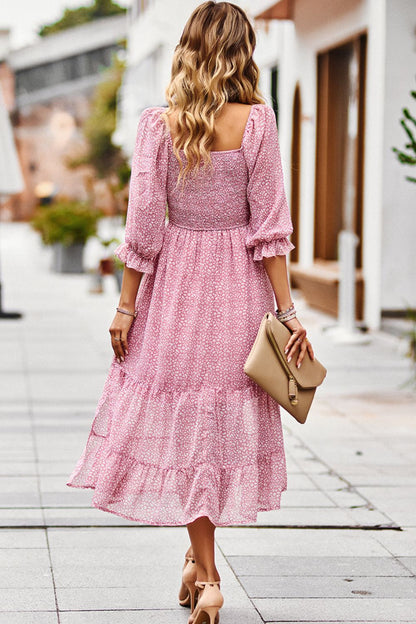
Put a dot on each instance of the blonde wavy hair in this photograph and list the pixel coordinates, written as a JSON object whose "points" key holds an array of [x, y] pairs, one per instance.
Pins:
{"points": [[212, 64]]}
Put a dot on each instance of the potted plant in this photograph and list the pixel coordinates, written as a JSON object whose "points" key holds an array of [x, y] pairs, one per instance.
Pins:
{"points": [[107, 265], [66, 226]]}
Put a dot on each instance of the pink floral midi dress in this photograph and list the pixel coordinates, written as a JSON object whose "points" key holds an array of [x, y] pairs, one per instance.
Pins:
{"points": [[180, 431]]}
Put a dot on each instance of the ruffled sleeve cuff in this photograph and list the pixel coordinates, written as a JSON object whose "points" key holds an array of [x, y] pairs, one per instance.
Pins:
{"points": [[134, 260], [276, 247]]}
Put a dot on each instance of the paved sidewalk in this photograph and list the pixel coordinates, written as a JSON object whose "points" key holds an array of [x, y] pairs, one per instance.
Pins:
{"points": [[341, 549]]}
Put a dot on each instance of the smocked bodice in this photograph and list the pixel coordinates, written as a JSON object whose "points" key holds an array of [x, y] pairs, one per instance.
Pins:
{"points": [[215, 200]]}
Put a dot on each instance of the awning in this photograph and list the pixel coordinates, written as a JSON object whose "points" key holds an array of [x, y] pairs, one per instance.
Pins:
{"points": [[281, 10]]}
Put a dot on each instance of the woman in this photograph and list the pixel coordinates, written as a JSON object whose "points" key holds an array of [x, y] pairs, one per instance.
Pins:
{"points": [[181, 435]]}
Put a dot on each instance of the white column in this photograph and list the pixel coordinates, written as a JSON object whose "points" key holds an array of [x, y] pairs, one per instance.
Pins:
{"points": [[308, 157], [373, 170]]}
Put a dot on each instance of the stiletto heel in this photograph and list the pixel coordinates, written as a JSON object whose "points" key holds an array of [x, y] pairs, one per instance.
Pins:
{"points": [[209, 603], [211, 612], [192, 595], [188, 581]]}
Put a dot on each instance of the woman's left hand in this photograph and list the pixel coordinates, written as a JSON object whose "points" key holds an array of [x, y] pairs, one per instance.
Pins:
{"points": [[119, 329], [297, 341]]}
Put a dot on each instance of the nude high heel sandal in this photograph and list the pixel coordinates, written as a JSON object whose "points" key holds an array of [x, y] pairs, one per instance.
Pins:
{"points": [[209, 603], [188, 581]]}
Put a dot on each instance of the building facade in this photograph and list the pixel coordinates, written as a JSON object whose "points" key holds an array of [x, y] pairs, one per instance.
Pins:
{"points": [[53, 82], [338, 73]]}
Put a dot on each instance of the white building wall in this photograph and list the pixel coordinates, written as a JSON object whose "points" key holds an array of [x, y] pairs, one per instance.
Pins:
{"points": [[151, 43], [398, 284]]}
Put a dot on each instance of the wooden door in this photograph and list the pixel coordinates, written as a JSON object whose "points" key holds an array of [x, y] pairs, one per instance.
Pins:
{"points": [[333, 95]]}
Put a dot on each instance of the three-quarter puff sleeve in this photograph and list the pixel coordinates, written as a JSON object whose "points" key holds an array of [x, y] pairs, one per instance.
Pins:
{"points": [[270, 222], [145, 223]]}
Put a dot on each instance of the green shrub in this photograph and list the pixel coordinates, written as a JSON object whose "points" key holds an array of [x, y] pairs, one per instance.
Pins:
{"points": [[66, 222]]}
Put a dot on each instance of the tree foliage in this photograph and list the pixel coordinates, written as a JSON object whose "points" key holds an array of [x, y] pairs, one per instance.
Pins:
{"points": [[407, 155], [101, 153], [82, 15]]}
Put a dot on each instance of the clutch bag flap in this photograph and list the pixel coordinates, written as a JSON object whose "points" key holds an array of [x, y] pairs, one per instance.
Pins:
{"points": [[311, 373]]}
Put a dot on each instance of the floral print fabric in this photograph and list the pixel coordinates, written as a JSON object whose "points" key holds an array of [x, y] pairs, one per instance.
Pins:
{"points": [[180, 431]]}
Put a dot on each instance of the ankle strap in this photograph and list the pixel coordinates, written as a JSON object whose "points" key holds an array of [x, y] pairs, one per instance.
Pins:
{"points": [[201, 584], [189, 558]]}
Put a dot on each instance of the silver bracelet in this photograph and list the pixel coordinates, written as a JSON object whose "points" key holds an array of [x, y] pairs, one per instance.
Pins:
{"points": [[287, 317], [123, 311]]}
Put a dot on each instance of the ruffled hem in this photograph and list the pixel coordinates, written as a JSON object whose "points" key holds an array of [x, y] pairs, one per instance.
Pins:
{"points": [[276, 247], [174, 497], [133, 260], [140, 470]]}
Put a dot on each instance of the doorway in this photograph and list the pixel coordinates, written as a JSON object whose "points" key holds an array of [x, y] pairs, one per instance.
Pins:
{"points": [[335, 124]]}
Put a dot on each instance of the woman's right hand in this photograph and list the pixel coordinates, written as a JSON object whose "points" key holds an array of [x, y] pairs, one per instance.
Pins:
{"points": [[118, 330], [297, 340]]}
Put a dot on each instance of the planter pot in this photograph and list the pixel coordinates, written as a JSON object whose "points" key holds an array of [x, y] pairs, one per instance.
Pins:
{"points": [[107, 266], [68, 259]]}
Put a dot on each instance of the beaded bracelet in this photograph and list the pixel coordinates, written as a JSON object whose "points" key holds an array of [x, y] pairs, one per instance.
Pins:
{"points": [[286, 315], [123, 311]]}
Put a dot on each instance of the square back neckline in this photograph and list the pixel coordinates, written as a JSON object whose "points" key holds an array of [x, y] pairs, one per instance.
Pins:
{"points": [[231, 151]]}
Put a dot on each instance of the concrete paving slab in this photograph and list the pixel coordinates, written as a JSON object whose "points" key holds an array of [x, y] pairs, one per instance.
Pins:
{"points": [[321, 610], [304, 542], [21, 517], [150, 594], [27, 599], [19, 500], [281, 566], [405, 519], [21, 557], [21, 538], [162, 616], [328, 482], [25, 576], [346, 498], [409, 563], [76, 516], [307, 498], [174, 539], [299, 482], [29, 617], [20, 484], [108, 557], [64, 387], [13, 385], [73, 410], [17, 469], [399, 544], [18, 454], [54, 468], [369, 517], [304, 516], [326, 587]]}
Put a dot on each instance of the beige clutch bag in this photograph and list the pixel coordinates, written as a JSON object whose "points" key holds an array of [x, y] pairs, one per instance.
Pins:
{"points": [[293, 388]]}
